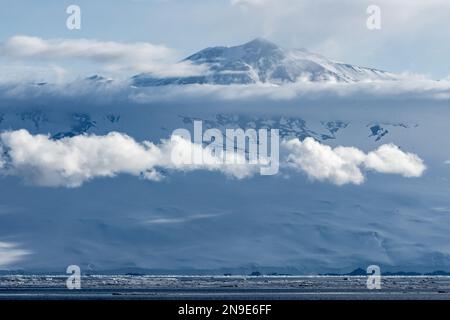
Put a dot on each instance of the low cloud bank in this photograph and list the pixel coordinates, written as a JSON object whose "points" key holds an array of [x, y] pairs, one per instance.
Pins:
{"points": [[70, 162], [412, 89]]}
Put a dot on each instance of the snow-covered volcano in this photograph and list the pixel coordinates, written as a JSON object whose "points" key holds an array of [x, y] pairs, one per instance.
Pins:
{"points": [[261, 61]]}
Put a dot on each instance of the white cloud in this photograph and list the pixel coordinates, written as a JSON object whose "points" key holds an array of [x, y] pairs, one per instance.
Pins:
{"points": [[114, 57], [343, 165], [405, 88], [183, 149], [35, 47], [404, 91], [320, 162], [388, 158], [10, 253], [72, 161]]}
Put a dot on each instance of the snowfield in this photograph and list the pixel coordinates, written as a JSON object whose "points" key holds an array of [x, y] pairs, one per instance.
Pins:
{"points": [[367, 183]]}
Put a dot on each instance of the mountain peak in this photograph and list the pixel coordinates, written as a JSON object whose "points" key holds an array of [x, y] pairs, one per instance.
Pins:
{"points": [[262, 61], [260, 42]]}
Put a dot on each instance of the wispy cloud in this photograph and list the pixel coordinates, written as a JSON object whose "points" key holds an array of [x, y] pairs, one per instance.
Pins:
{"points": [[337, 24], [165, 220], [113, 57], [35, 47], [10, 253]]}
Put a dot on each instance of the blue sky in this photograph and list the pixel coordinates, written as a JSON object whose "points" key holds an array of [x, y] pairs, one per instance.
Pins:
{"points": [[413, 38]]}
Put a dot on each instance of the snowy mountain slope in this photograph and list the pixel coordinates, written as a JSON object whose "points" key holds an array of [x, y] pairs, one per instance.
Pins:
{"points": [[204, 220], [260, 61]]}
